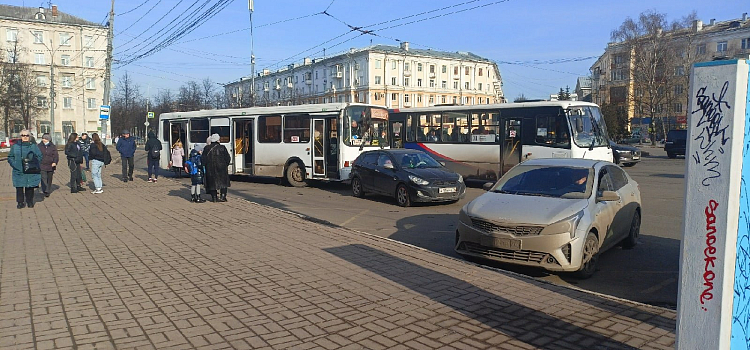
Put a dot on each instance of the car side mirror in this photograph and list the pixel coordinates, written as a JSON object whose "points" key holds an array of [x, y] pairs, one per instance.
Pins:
{"points": [[608, 196], [488, 186], [388, 166]]}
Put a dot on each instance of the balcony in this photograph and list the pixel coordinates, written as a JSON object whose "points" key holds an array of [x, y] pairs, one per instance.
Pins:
{"points": [[407, 73], [432, 74], [308, 81], [337, 75], [290, 85], [277, 87]]}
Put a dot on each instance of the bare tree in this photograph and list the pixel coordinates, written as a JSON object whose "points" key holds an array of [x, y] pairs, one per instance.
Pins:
{"points": [[20, 90], [208, 91], [128, 106]]}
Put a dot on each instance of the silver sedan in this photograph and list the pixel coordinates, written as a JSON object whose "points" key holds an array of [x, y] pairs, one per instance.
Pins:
{"points": [[557, 214]]}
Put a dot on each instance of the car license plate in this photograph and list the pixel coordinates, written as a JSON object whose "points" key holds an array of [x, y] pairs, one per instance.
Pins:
{"points": [[447, 190], [502, 243]]}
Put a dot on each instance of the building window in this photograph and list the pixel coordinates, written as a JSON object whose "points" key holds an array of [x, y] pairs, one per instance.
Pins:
{"points": [[678, 90], [406, 98], [38, 37], [700, 49], [466, 70], [419, 82], [377, 80], [455, 70], [677, 107], [11, 34], [445, 69], [39, 58], [406, 81], [479, 86], [67, 81], [480, 72], [432, 99], [394, 97], [406, 66], [480, 100], [442, 99], [393, 81], [419, 98], [432, 68], [377, 66], [455, 85], [91, 104], [65, 60], [91, 83], [377, 96], [746, 43], [419, 67], [432, 83], [393, 64], [467, 100], [41, 102], [88, 41], [466, 85], [444, 84], [721, 46], [67, 102], [41, 81], [89, 62], [65, 39], [455, 100], [679, 71]]}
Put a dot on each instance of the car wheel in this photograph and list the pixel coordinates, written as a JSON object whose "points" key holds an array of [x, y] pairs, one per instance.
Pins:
{"points": [[357, 190], [635, 231], [402, 196], [671, 155], [590, 257], [295, 175]]}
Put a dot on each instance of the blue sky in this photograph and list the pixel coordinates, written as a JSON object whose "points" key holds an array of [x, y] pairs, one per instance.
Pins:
{"points": [[503, 31]]}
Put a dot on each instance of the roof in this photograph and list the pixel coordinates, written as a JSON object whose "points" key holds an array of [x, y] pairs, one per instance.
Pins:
{"points": [[566, 162], [459, 55], [29, 14], [323, 108], [561, 104], [584, 83]]}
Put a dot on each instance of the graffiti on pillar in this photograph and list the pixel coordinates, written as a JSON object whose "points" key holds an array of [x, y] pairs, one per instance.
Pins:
{"points": [[741, 303], [712, 129]]}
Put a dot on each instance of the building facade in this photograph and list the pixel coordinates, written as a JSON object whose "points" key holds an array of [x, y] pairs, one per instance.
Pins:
{"points": [[66, 55], [614, 79], [394, 77]]}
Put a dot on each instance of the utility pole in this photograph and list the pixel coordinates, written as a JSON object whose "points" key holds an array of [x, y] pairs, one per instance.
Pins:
{"points": [[52, 94], [108, 71], [252, 56]]}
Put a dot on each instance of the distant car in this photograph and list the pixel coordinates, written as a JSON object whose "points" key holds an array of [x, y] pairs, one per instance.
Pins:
{"points": [[10, 142], [625, 155], [557, 214], [408, 175], [675, 143]]}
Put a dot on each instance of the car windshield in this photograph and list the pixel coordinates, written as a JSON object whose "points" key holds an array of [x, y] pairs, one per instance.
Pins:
{"points": [[416, 160], [546, 181], [677, 135], [588, 127]]}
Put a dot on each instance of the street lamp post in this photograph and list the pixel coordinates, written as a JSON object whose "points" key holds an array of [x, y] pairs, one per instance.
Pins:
{"points": [[52, 51]]}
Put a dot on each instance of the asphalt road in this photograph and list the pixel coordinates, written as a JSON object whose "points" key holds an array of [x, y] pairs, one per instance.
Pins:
{"points": [[648, 273]]}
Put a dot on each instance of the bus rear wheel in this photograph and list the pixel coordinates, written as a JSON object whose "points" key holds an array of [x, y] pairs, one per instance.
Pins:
{"points": [[295, 175]]}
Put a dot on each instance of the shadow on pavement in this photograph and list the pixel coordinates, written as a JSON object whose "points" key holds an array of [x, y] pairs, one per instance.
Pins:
{"points": [[512, 319], [670, 176]]}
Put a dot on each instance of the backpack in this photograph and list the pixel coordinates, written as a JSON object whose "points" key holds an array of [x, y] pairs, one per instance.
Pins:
{"points": [[107, 156], [193, 164], [154, 153]]}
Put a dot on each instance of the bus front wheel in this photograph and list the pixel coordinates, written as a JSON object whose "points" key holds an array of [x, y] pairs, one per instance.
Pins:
{"points": [[295, 175]]}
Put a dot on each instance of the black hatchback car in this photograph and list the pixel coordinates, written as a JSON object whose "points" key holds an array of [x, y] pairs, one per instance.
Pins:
{"points": [[408, 175], [675, 143]]}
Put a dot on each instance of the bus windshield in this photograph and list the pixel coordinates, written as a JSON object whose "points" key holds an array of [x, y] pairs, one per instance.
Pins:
{"points": [[587, 127], [365, 126]]}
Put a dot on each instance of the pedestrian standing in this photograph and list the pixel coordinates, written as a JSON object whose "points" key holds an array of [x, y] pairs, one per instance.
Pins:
{"points": [[74, 156], [215, 159], [126, 147], [194, 168], [177, 161], [98, 153], [24, 181], [85, 142], [153, 155], [50, 158]]}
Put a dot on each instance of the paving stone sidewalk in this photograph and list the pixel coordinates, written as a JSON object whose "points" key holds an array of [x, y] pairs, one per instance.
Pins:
{"points": [[140, 267]]}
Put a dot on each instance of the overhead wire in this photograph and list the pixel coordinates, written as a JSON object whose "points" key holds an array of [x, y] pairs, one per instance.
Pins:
{"points": [[133, 9]]}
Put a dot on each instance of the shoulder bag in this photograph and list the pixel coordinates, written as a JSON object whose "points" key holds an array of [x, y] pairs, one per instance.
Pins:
{"points": [[31, 164]]}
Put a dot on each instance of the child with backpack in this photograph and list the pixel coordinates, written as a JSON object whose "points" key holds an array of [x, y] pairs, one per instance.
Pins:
{"points": [[194, 168]]}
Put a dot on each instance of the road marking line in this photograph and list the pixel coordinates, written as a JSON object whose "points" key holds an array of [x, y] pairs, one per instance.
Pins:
{"points": [[659, 285], [354, 217]]}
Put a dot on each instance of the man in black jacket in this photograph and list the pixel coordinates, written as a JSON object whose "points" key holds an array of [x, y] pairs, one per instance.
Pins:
{"points": [[153, 154], [50, 158], [126, 147]]}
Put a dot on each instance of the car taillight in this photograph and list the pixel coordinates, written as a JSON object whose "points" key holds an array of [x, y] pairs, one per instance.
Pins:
{"points": [[346, 164]]}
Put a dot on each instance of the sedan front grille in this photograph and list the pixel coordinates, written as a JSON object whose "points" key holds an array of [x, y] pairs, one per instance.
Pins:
{"points": [[444, 183], [489, 227], [517, 255]]}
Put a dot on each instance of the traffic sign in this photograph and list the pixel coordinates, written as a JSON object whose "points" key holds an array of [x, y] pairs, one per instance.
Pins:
{"points": [[146, 123], [104, 112], [150, 115]]}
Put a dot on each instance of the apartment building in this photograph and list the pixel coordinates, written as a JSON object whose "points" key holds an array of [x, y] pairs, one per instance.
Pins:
{"points": [[613, 74], [67, 56], [390, 76]]}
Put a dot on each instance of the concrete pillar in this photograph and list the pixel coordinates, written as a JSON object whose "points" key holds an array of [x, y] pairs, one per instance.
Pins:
{"points": [[714, 291]]}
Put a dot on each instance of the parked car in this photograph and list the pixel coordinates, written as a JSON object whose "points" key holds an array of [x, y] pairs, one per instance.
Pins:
{"points": [[675, 143], [557, 214], [625, 155], [10, 142], [408, 175]]}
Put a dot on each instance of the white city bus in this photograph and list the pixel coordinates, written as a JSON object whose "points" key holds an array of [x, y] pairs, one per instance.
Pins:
{"points": [[482, 142], [316, 141]]}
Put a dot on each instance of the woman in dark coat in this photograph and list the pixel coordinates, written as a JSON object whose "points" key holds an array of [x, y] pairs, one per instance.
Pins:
{"points": [[216, 160], [74, 154], [24, 183], [50, 158]]}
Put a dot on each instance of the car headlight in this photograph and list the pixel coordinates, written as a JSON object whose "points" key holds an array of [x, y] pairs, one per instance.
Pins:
{"points": [[568, 225], [460, 179], [418, 180]]}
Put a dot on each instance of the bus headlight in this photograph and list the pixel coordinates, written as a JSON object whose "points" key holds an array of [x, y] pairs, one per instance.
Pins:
{"points": [[418, 180]]}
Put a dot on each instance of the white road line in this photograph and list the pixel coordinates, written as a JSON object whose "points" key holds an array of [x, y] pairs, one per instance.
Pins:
{"points": [[353, 217]]}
